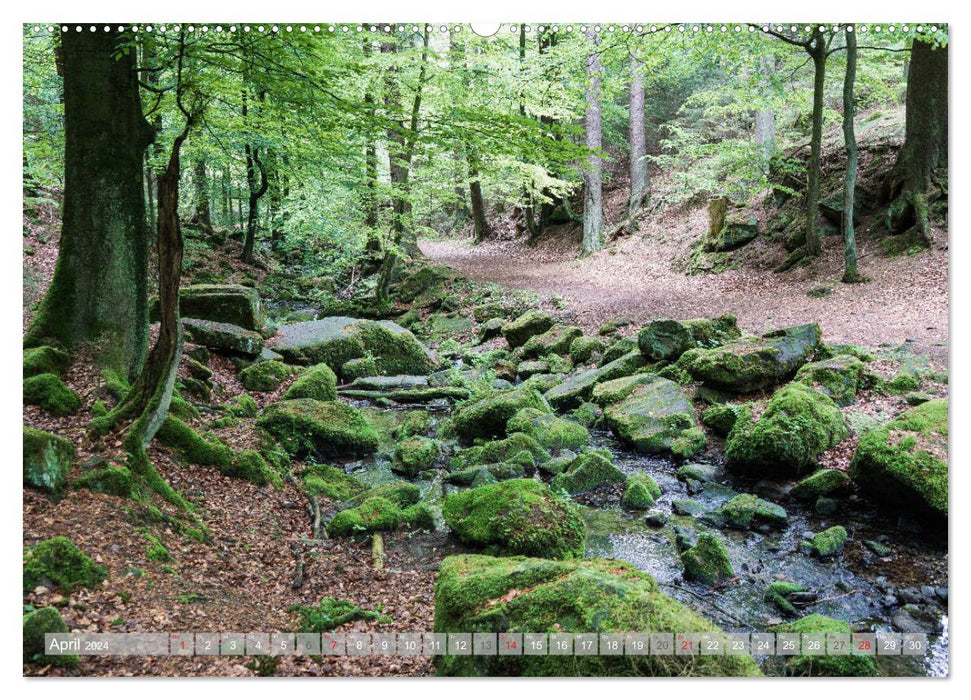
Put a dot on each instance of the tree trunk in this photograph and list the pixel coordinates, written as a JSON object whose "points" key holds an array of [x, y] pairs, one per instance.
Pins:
{"points": [[925, 143], [817, 50], [529, 213], [203, 213], [256, 191], [99, 288], [592, 185], [850, 272], [638, 142], [765, 118], [480, 225]]}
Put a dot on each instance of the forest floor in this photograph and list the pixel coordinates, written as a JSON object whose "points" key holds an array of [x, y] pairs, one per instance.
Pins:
{"points": [[906, 301]]}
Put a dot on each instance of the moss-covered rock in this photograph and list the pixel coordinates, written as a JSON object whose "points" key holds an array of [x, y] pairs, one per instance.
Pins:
{"points": [[58, 563], [491, 329], [319, 383], [578, 389], [243, 406], [38, 623], [824, 665], [414, 455], [377, 514], [777, 593], [224, 337], [798, 425], [531, 323], [527, 369], [838, 377], [319, 428], [641, 491], [114, 480], [902, 383], [707, 562], [330, 614], [265, 376], [421, 280], [664, 339], [555, 341], [829, 542], [614, 390], [750, 364], [585, 348], [359, 367], [331, 482], [822, 483], [47, 460], [487, 417], [224, 303], [51, 394], [746, 511], [721, 419], [905, 463], [518, 516], [588, 471], [549, 430], [518, 448], [337, 339], [657, 417], [251, 466], [709, 332], [477, 593], [44, 360], [619, 348]]}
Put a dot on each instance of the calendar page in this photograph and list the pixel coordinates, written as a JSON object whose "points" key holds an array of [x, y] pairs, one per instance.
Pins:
{"points": [[438, 349]]}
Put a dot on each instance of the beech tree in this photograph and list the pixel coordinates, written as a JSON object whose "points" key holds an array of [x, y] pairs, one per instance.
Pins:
{"points": [[593, 221], [850, 271]]}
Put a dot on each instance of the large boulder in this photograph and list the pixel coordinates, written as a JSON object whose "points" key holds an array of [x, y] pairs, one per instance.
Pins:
{"points": [[318, 382], [44, 360], [905, 464], [664, 339], [555, 341], [519, 516], [531, 323], [51, 394], [824, 664], [838, 377], [223, 303], [477, 593], [750, 364], [746, 511], [551, 431], [319, 428], [518, 448], [265, 376], [224, 337], [577, 389], [588, 471], [797, 426], [737, 229], [47, 460], [487, 417], [707, 561], [655, 418], [337, 339]]}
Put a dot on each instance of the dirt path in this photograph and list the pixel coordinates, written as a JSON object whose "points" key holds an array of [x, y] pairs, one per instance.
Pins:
{"points": [[906, 301]]}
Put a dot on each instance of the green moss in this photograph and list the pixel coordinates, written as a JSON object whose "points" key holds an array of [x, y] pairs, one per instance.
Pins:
{"points": [[905, 463], [113, 480], [156, 551], [614, 390], [487, 417], [399, 493], [587, 414], [51, 394], [192, 446], [47, 460], [329, 614], [902, 383], [265, 376], [584, 348], [829, 543], [331, 482], [518, 447], [518, 516], [377, 514], [319, 382], [707, 562], [664, 339], [250, 465], [243, 406], [44, 360], [619, 348], [531, 323], [556, 341], [359, 367], [415, 455], [824, 665], [777, 594], [838, 377], [747, 510], [798, 425], [822, 483], [476, 593], [482, 474], [721, 419], [58, 563], [182, 409], [99, 409], [676, 374], [37, 624], [641, 491], [322, 428], [394, 351], [115, 384], [588, 471], [548, 430], [657, 417]]}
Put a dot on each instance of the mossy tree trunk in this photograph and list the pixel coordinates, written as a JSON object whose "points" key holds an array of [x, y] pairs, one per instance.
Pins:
{"points": [[912, 185], [593, 219], [480, 224], [256, 188], [765, 118], [200, 180], [817, 50], [99, 288], [637, 137], [850, 271]]}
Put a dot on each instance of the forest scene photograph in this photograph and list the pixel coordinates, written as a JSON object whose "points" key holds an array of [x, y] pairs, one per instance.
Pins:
{"points": [[437, 349]]}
